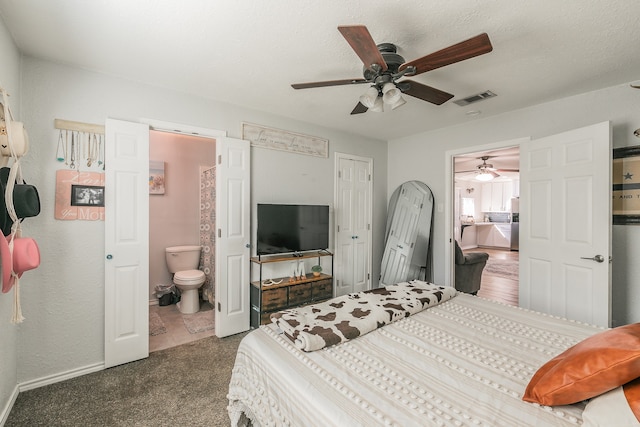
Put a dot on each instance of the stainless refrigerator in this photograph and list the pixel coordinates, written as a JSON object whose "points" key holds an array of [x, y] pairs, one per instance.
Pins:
{"points": [[515, 224]]}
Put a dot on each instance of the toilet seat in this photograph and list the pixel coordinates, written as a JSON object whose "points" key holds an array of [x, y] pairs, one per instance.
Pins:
{"points": [[189, 277]]}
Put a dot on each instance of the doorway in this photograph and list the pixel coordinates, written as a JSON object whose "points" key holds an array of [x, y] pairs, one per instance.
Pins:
{"points": [[127, 236], [565, 220], [486, 216], [181, 211]]}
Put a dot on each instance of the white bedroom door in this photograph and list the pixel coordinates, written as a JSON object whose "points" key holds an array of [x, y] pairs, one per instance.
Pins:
{"points": [[126, 325], [353, 224], [565, 224], [233, 236]]}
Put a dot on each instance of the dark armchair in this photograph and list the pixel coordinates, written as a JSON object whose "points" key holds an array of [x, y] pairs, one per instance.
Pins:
{"points": [[469, 270]]}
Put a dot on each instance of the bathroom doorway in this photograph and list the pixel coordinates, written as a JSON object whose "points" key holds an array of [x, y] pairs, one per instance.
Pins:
{"points": [[181, 212]]}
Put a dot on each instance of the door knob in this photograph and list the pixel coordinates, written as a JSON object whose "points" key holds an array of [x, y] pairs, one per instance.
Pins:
{"points": [[597, 258], [109, 256]]}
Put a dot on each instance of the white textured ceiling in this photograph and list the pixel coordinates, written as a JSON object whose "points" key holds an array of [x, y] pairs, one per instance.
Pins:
{"points": [[248, 52]]}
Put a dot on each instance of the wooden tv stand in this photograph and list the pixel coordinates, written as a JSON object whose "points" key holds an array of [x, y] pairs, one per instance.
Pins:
{"points": [[268, 298]]}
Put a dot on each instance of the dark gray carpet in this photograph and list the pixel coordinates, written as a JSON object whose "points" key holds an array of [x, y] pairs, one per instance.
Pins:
{"points": [[181, 386]]}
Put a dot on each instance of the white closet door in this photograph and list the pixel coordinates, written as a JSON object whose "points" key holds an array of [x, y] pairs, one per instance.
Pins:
{"points": [[353, 225]]}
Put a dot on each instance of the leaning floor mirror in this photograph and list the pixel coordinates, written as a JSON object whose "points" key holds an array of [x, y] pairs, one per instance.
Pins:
{"points": [[407, 239]]}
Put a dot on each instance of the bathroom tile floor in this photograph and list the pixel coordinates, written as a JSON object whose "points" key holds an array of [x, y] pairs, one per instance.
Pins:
{"points": [[177, 333]]}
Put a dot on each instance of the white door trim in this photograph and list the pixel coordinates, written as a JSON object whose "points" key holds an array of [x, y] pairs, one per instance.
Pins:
{"points": [[449, 178], [180, 128]]}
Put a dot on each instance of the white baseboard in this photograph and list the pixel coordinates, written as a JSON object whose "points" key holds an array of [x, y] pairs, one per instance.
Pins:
{"points": [[5, 412], [62, 376]]}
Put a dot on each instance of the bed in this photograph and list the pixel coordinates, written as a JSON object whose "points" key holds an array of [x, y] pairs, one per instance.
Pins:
{"points": [[464, 361]]}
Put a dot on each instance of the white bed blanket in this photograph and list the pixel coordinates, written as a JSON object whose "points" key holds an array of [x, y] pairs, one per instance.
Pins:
{"points": [[464, 362]]}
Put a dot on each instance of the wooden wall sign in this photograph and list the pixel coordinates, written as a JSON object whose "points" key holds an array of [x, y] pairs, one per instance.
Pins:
{"points": [[70, 204], [276, 139]]}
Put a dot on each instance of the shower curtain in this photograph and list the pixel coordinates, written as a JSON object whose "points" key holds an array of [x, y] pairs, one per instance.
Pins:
{"points": [[207, 231]]}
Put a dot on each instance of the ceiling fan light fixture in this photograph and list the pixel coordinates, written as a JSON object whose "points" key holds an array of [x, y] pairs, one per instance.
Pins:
{"points": [[392, 96], [370, 97], [484, 176], [378, 105], [382, 65], [390, 93], [400, 102]]}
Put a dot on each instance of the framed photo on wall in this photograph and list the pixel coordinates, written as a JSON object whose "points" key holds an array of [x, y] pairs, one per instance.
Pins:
{"points": [[626, 185], [87, 195], [156, 177]]}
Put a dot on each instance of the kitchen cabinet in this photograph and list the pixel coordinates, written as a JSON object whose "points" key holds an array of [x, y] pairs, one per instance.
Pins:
{"points": [[494, 235], [502, 235], [483, 234], [516, 188], [468, 239], [497, 199], [485, 199], [496, 196]]}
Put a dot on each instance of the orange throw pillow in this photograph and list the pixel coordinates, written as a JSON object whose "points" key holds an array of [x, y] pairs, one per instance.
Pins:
{"points": [[594, 366]]}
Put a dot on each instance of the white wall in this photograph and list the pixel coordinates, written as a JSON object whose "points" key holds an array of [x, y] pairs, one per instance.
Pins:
{"points": [[63, 299], [422, 157], [10, 80]]}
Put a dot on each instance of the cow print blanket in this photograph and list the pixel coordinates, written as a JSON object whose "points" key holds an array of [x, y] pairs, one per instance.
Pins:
{"points": [[316, 326]]}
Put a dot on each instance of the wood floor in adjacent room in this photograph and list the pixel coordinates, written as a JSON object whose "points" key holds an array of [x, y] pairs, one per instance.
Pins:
{"points": [[494, 286]]}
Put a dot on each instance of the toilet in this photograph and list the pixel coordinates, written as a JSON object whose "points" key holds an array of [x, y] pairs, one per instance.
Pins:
{"points": [[183, 262]]}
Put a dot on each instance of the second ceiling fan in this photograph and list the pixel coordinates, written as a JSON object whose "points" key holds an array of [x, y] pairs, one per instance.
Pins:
{"points": [[486, 171], [383, 68]]}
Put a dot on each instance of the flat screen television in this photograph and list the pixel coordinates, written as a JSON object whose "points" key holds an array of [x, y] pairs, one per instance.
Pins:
{"points": [[292, 228]]}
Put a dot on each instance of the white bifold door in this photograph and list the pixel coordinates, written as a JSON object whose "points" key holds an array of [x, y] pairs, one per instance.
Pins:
{"points": [[126, 201], [233, 236], [353, 224], [127, 240]]}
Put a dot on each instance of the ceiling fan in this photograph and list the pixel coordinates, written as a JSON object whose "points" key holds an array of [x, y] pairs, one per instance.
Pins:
{"points": [[486, 171], [384, 68]]}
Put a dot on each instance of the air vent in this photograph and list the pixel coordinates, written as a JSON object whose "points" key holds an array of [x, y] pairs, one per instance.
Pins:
{"points": [[475, 98]]}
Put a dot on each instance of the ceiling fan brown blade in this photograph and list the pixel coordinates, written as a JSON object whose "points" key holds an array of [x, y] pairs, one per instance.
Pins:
{"points": [[360, 108], [427, 93], [328, 83], [475, 46], [362, 43]]}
